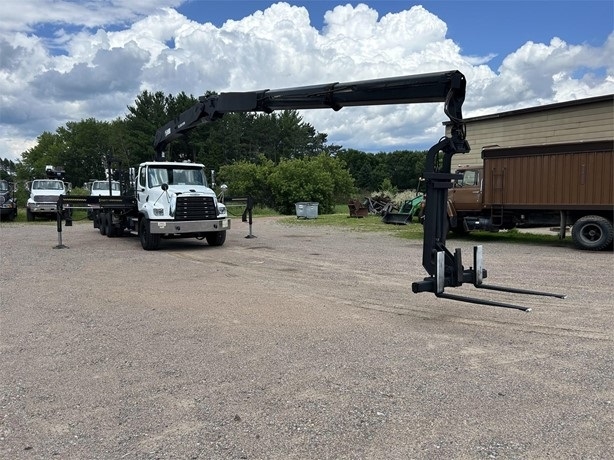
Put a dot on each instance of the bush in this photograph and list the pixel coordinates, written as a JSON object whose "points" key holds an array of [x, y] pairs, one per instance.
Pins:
{"points": [[248, 179], [320, 179]]}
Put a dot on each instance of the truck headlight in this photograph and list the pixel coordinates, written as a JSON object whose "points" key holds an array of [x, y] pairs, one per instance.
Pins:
{"points": [[158, 212], [221, 210]]}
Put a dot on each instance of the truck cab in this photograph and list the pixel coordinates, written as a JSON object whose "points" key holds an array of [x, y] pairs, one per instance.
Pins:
{"points": [[467, 191], [44, 195], [101, 188], [174, 199], [466, 202]]}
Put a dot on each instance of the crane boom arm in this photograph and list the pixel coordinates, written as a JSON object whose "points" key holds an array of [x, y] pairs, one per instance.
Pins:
{"points": [[445, 269], [446, 87]]}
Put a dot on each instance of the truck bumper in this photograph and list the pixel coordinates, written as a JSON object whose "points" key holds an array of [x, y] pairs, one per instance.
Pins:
{"points": [[46, 208], [170, 227]]}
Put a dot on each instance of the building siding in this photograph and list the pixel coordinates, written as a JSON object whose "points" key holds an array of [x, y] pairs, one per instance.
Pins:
{"points": [[580, 120]]}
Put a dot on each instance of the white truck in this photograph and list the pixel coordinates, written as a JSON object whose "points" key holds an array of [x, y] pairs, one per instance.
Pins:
{"points": [[102, 188], [44, 195], [166, 200]]}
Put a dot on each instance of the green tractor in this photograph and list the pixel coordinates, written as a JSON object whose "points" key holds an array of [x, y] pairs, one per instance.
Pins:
{"points": [[408, 210]]}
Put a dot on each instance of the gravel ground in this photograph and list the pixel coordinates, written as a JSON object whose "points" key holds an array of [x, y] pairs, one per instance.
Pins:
{"points": [[302, 343]]}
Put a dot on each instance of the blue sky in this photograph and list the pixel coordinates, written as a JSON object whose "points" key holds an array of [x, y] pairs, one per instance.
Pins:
{"points": [[68, 60]]}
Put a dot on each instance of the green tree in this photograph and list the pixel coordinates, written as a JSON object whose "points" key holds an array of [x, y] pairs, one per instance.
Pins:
{"points": [[343, 182], [245, 178], [317, 179], [143, 119], [7, 169], [85, 147], [47, 151]]}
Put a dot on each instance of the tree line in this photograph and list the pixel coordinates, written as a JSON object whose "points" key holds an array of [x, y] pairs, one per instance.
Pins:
{"points": [[276, 143]]}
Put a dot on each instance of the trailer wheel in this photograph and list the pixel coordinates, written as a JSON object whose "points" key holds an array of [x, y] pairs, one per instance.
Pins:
{"points": [[216, 238], [593, 233], [149, 241]]}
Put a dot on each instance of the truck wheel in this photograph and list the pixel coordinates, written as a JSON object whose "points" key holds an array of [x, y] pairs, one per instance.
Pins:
{"points": [[458, 229], [593, 233], [216, 238], [149, 241], [29, 215], [102, 224], [111, 230]]}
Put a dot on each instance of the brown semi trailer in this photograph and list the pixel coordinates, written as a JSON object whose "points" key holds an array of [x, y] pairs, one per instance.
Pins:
{"points": [[561, 184]]}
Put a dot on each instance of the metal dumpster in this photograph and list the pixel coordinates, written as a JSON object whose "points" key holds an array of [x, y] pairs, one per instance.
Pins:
{"points": [[306, 210]]}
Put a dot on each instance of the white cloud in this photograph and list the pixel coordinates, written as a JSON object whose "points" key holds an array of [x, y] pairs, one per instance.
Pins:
{"points": [[104, 53], [19, 15]]}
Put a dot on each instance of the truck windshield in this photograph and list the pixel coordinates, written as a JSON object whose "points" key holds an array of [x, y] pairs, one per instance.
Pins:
{"points": [[176, 176], [105, 186], [48, 185], [470, 178]]}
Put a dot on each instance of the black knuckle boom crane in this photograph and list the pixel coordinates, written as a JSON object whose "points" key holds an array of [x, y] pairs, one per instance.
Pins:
{"points": [[445, 269]]}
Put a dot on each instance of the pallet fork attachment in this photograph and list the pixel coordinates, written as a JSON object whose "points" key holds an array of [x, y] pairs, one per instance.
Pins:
{"points": [[444, 268], [475, 275]]}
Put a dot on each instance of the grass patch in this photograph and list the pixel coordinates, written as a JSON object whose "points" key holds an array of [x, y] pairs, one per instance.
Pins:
{"points": [[415, 231], [235, 210], [78, 215], [370, 223]]}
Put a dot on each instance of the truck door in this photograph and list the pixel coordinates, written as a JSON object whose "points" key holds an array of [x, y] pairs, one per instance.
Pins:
{"points": [[141, 187], [466, 195]]}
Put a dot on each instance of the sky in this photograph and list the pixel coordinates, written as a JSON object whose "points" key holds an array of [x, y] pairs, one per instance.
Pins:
{"points": [[69, 60]]}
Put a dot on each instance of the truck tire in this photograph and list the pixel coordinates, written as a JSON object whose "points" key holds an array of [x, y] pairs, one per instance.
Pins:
{"points": [[29, 215], [102, 225], [216, 238], [149, 241], [108, 223], [593, 233]]}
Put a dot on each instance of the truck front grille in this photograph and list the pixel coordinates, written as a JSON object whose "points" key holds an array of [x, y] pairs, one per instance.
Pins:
{"points": [[195, 208], [45, 198]]}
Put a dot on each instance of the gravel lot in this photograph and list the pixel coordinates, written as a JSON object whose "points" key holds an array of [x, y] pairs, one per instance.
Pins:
{"points": [[302, 343]]}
